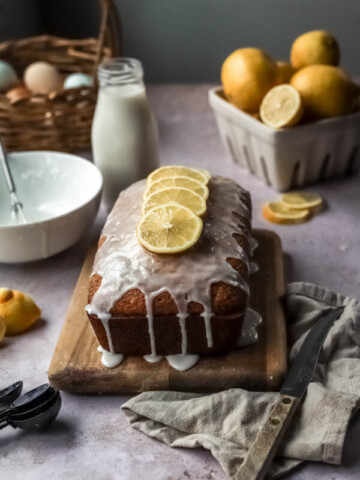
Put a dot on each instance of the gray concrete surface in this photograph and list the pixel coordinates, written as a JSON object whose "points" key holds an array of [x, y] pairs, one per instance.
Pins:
{"points": [[91, 438]]}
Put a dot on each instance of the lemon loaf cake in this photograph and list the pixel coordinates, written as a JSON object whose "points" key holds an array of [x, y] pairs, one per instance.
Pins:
{"points": [[181, 305]]}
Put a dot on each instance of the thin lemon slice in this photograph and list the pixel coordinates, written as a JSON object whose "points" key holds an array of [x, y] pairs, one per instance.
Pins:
{"points": [[183, 182], [281, 107], [176, 171], [177, 196], [169, 229], [278, 212], [301, 200], [205, 172]]}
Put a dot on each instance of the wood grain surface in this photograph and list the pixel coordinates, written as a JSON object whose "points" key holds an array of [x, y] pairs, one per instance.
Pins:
{"points": [[76, 365]]}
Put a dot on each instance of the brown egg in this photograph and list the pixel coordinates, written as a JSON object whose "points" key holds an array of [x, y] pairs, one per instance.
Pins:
{"points": [[18, 93], [42, 77]]}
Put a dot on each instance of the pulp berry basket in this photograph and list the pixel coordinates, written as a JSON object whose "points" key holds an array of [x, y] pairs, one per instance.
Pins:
{"points": [[289, 158], [59, 120]]}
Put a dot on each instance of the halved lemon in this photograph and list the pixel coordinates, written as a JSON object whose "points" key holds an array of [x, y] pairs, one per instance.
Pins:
{"points": [[169, 229], [183, 182], [278, 212], [301, 200], [281, 107], [2, 328], [176, 171], [177, 196]]}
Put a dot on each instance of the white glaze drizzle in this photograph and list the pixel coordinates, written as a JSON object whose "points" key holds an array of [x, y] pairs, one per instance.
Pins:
{"points": [[254, 267], [109, 359], [249, 334], [253, 245], [153, 358], [182, 362], [124, 265]]}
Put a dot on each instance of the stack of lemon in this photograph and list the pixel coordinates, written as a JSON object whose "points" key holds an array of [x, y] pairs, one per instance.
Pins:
{"points": [[293, 208], [173, 203], [282, 93]]}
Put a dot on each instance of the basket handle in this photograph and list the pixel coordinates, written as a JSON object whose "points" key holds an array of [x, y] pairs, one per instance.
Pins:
{"points": [[110, 29]]}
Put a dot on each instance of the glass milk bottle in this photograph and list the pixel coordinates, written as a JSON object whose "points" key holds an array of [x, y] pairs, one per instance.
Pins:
{"points": [[124, 134]]}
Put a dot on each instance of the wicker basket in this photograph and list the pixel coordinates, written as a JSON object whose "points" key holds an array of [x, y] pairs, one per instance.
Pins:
{"points": [[60, 120]]}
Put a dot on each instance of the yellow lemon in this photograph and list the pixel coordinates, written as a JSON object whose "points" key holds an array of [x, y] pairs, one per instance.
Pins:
{"points": [[313, 48], [18, 310], [2, 328], [177, 170], [278, 212], [302, 200], [281, 107], [169, 229], [177, 196], [284, 72], [326, 91], [247, 75], [184, 182]]}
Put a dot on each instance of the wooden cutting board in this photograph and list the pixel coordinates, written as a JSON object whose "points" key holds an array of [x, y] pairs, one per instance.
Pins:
{"points": [[76, 366]]}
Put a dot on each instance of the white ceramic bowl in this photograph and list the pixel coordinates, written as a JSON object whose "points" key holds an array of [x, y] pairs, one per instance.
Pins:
{"points": [[61, 196]]}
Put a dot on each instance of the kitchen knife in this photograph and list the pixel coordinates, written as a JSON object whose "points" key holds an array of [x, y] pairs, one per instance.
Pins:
{"points": [[262, 451]]}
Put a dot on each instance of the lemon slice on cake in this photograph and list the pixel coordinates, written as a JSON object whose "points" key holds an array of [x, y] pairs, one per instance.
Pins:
{"points": [[177, 196], [205, 172], [278, 212], [281, 107], [169, 229], [183, 182], [301, 200], [176, 171]]}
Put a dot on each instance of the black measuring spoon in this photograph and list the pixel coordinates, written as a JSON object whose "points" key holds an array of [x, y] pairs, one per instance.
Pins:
{"points": [[34, 423], [34, 410], [9, 394]]}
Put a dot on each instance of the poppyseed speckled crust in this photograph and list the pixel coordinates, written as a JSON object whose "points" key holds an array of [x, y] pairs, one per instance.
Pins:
{"points": [[129, 325]]}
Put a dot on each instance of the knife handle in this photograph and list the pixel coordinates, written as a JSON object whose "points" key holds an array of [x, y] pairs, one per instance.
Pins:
{"points": [[262, 451]]}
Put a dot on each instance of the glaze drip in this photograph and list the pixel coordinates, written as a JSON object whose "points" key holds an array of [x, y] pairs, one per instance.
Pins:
{"points": [[124, 264], [249, 334]]}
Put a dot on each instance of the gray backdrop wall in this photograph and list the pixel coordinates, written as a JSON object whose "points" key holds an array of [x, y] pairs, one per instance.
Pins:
{"points": [[187, 40]]}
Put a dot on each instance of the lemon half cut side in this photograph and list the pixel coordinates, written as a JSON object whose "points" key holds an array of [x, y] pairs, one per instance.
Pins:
{"points": [[281, 107]]}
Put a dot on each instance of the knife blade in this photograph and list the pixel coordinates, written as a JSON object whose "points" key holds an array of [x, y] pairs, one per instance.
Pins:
{"points": [[263, 449]]}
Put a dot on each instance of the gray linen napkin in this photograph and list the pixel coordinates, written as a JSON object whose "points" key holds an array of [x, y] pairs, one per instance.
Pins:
{"points": [[226, 423]]}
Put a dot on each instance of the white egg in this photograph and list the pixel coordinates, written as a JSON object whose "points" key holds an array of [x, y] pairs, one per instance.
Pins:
{"points": [[42, 77], [76, 80], [8, 76]]}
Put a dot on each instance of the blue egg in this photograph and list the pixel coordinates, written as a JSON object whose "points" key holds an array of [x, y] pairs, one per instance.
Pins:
{"points": [[76, 80], [8, 76]]}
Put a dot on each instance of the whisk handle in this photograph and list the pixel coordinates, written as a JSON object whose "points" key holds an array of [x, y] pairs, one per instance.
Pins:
{"points": [[5, 168]]}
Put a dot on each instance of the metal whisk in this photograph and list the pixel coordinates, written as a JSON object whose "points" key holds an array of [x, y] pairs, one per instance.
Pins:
{"points": [[16, 205]]}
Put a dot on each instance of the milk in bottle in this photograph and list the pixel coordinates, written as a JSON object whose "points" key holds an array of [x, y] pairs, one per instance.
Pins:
{"points": [[124, 133]]}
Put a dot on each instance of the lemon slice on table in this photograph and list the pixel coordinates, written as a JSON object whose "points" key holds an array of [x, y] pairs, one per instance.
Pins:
{"points": [[184, 182], [169, 229], [301, 200], [176, 171], [177, 196], [278, 212], [281, 107]]}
